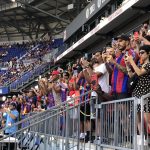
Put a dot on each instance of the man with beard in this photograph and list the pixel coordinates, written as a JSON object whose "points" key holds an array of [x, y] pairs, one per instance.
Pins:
{"points": [[119, 75], [55, 87], [99, 70]]}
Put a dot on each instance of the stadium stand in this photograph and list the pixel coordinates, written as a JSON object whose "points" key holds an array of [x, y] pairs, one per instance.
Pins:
{"points": [[93, 93], [20, 63]]}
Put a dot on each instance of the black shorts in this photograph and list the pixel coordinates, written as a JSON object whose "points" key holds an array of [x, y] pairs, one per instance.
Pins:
{"points": [[85, 112]]}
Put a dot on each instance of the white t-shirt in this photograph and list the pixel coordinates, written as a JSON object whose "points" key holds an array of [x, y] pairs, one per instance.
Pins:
{"points": [[103, 80], [57, 96]]}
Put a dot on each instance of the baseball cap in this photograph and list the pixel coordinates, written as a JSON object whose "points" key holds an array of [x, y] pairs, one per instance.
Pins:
{"points": [[123, 37], [55, 72]]}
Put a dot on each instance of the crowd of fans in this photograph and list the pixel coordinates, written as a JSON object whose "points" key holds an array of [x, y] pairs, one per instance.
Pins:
{"points": [[3, 53], [108, 73], [4, 48], [16, 67], [17, 70]]}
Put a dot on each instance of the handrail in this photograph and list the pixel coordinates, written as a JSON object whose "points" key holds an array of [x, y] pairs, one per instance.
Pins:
{"points": [[59, 107], [145, 96], [67, 108], [118, 127], [118, 101], [46, 111]]}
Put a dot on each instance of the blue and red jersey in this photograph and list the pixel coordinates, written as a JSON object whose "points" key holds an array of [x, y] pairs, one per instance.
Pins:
{"points": [[51, 102], [83, 88], [64, 91], [119, 79]]}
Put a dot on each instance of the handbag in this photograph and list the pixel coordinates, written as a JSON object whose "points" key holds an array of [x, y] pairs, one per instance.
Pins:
{"points": [[132, 82]]}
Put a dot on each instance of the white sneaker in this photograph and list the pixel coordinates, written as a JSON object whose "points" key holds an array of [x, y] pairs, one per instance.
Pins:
{"points": [[82, 135], [139, 140], [145, 142], [97, 141]]}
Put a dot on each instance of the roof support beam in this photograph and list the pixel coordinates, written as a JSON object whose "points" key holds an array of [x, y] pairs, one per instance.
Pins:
{"points": [[45, 1], [56, 7], [39, 20], [44, 12], [7, 33], [25, 32], [37, 32], [15, 26]]}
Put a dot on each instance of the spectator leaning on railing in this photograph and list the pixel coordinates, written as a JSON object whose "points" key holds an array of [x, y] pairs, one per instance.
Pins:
{"points": [[97, 74]]}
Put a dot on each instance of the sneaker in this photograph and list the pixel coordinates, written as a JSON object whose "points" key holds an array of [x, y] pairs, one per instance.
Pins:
{"points": [[139, 140], [86, 139], [82, 135], [97, 141]]}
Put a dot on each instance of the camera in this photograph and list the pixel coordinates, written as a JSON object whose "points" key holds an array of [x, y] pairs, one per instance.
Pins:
{"points": [[126, 55], [87, 57]]}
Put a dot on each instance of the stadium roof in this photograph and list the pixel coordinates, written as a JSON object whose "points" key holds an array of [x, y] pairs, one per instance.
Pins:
{"points": [[33, 18]]}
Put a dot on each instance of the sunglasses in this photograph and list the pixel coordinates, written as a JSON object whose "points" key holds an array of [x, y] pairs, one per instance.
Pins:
{"points": [[141, 52], [66, 75]]}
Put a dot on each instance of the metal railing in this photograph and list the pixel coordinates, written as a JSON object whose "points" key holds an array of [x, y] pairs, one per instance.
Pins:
{"points": [[144, 133], [113, 126], [55, 123], [118, 124]]}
